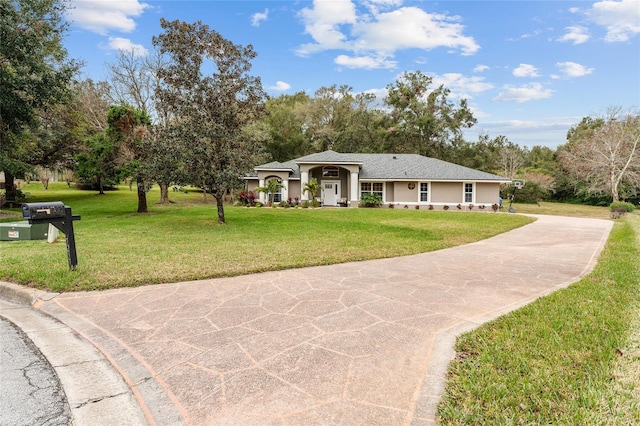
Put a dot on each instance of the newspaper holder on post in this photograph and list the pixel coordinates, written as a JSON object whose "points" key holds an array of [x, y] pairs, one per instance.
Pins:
{"points": [[59, 215]]}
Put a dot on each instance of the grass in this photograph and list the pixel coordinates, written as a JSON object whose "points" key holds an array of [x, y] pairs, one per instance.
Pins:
{"points": [[568, 358], [561, 209], [117, 247]]}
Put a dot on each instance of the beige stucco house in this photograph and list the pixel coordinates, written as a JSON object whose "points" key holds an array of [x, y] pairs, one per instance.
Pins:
{"points": [[400, 179]]}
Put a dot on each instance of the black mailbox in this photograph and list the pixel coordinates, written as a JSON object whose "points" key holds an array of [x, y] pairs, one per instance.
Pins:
{"points": [[39, 211], [58, 215]]}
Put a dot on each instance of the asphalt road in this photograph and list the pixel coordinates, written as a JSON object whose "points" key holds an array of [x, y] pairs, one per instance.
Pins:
{"points": [[30, 392]]}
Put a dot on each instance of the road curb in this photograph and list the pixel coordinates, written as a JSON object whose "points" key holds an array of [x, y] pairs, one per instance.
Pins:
{"points": [[97, 394], [23, 295]]}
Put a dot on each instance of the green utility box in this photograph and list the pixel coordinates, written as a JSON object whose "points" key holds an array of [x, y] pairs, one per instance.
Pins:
{"points": [[23, 230]]}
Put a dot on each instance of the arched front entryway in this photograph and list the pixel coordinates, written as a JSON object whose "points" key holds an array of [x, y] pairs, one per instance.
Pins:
{"points": [[338, 183]]}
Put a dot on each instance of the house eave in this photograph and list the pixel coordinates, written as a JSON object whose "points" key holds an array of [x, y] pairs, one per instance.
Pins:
{"points": [[331, 163], [423, 179], [273, 169]]}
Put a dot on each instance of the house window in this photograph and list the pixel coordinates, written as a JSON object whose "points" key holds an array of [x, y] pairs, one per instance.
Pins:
{"points": [[468, 192], [372, 188], [330, 172], [424, 192]]}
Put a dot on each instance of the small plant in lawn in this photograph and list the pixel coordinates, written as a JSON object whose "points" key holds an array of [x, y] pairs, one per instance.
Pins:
{"points": [[430, 207], [445, 207], [620, 208], [495, 207], [470, 206]]}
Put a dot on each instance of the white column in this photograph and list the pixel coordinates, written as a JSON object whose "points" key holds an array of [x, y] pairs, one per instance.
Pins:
{"points": [[355, 189], [262, 194], [304, 180], [285, 190]]}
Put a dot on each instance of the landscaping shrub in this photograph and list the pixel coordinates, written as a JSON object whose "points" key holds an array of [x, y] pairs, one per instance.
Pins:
{"points": [[530, 194], [622, 206], [370, 200]]}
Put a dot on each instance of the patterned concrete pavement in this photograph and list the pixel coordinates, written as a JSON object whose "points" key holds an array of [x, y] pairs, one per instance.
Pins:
{"points": [[356, 343]]}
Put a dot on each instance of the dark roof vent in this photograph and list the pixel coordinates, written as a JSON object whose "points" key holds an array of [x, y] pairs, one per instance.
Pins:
{"points": [[395, 158]]}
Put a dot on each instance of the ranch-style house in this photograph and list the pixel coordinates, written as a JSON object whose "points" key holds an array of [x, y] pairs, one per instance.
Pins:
{"points": [[400, 179]]}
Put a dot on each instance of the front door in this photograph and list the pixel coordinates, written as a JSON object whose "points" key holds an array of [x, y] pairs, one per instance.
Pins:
{"points": [[331, 192]]}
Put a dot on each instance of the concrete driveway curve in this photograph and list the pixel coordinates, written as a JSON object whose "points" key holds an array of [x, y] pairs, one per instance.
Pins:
{"points": [[360, 343]]}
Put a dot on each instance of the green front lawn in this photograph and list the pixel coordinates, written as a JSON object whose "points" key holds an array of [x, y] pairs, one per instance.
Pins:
{"points": [[117, 247]]}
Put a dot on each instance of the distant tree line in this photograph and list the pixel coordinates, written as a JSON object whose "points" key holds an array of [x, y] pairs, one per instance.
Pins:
{"points": [[161, 119]]}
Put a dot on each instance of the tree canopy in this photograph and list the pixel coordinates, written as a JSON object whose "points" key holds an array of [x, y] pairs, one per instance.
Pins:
{"points": [[604, 154], [35, 76]]}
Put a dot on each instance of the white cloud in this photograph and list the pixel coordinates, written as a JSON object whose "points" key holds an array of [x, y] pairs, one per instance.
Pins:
{"points": [[322, 23], [412, 28], [337, 25], [534, 33], [124, 44], [462, 87], [526, 70], [572, 69], [620, 18], [101, 16], [366, 62], [577, 34], [256, 18], [376, 5], [480, 68], [280, 86], [528, 92]]}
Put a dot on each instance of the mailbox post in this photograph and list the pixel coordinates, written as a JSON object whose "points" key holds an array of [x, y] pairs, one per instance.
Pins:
{"points": [[59, 215]]}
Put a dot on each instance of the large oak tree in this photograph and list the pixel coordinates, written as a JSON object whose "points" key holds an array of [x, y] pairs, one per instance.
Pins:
{"points": [[212, 99], [425, 121]]}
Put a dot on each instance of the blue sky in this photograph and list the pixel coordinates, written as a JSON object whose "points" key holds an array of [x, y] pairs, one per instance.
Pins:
{"points": [[529, 69]]}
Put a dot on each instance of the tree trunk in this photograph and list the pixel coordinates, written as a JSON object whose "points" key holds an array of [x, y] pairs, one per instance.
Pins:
{"points": [[10, 186], [100, 187], [142, 196], [164, 193], [220, 204]]}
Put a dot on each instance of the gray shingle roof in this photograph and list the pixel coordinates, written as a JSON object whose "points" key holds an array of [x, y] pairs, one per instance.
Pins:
{"points": [[390, 167]]}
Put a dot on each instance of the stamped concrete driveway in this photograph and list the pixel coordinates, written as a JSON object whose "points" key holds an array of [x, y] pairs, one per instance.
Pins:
{"points": [[359, 343]]}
